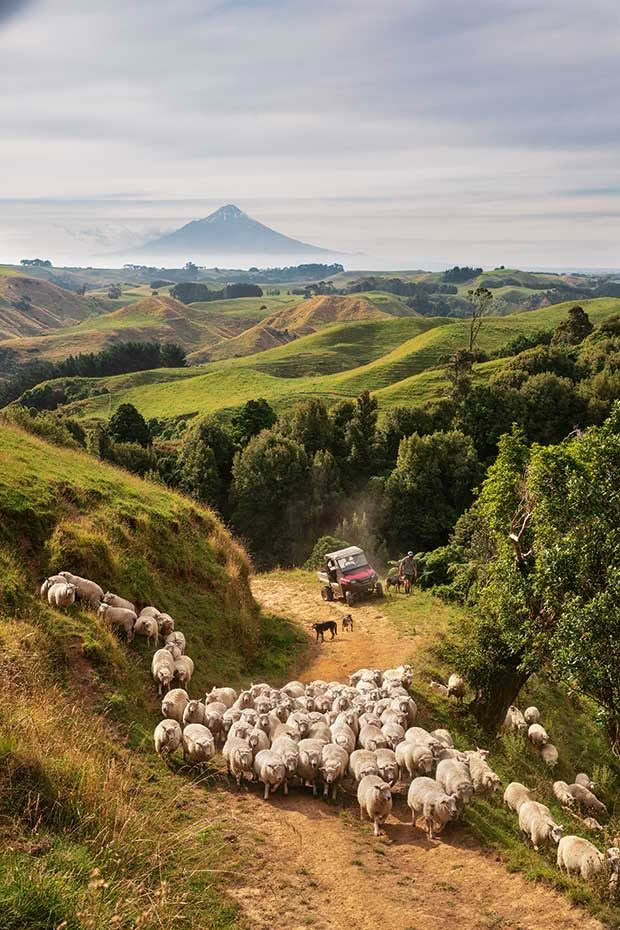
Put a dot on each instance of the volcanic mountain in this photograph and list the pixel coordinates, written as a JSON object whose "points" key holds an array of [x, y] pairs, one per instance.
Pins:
{"points": [[228, 231]]}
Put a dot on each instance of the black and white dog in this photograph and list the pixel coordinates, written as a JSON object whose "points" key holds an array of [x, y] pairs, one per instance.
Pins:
{"points": [[393, 581], [347, 623]]}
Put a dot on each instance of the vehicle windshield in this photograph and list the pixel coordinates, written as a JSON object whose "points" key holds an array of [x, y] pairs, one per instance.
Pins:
{"points": [[352, 561]]}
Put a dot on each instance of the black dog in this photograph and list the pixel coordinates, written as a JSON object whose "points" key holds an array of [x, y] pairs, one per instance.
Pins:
{"points": [[321, 628], [394, 581], [347, 623]]}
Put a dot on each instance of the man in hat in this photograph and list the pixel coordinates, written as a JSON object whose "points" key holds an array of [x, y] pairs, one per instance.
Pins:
{"points": [[407, 571]]}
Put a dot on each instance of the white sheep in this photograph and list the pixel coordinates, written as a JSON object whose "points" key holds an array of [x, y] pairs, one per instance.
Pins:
{"points": [[363, 762], [288, 751], [177, 638], [147, 626], [439, 687], [372, 738], [455, 779], [387, 763], [375, 800], [537, 735], [420, 735], [118, 617], [294, 689], [428, 799], [514, 719], [258, 740], [393, 733], [149, 612], [87, 590], [560, 790], [532, 715], [549, 755], [168, 737], [61, 594], [165, 623], [239, 758], [591, 823], [198, 744], [115, 601], [443, 736], [517, 794], [456, 687], [585, 798], [579, 856], [414, 758], [320, 730], [536, 822], [270, 769], [184, 669], [195, 712], [310, 755], [173, 649], [162, 669], [342, 735], [482, 775], [47, 584], [174, 703], [333, 765], [227, 696], [584, 780]]}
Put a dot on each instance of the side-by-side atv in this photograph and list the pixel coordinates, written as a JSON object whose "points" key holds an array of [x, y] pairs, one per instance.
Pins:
{"points": [[347, 575]]}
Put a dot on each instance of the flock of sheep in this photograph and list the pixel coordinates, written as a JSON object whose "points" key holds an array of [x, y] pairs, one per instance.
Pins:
{"points": [[320, 734]]}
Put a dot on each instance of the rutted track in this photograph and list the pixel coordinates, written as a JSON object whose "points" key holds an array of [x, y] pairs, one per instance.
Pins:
{"points": [[319, 869]]}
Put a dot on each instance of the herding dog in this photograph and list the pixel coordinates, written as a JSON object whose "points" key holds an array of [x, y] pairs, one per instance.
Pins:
{"points": [[347, 623], [393, 581], [321, 628]]}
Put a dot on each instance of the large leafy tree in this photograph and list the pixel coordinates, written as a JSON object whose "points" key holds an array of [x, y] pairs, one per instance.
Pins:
{"points": [[430, 487], [128, 425], [205, 463], [308, 424], [254, 416]]}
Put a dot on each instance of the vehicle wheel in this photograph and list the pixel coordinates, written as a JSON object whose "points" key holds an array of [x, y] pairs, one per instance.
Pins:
{"points": [[379, 589], [349, 598], [327, 594]]}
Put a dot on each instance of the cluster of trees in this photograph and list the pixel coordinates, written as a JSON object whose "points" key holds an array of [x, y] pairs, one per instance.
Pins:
{"points": [[458, 275], [39, 262], [189, 292], [115, 360]]}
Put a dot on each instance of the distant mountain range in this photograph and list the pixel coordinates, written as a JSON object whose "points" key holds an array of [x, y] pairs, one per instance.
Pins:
{"points": [[228, 231]]}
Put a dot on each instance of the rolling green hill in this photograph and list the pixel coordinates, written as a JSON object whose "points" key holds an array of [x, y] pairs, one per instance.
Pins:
{"points": [[80, 786], [405, 372], [32, 307]]}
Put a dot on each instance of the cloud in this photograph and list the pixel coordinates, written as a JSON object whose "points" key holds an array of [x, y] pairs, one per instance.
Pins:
{"points": [[471, 113]]}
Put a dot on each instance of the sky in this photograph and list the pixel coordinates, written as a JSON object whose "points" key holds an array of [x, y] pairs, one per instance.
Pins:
{"points": [[400, 133]]}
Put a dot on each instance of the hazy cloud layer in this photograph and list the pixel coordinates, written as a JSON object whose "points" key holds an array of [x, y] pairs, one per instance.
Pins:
{"points": [[412, 130]]}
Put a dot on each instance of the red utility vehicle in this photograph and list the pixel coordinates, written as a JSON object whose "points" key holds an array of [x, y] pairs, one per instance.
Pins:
{"points": [[346, 574]]}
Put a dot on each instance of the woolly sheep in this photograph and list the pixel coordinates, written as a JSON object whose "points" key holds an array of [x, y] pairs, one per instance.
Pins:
{"points": [[333, 765], [549, 755], [393, 733], [119, 617], [214, 719], [174, 703], [243, 700], [560, 790], [456, 687], [195, 713], [320, 730], [455, 779], [115, 601], [517, 794], [168, 737], [414, 758], [165, 623], [61, 594], [577, 855], [87, 590], [270, 769], [258, 740], [239, 759], [537, 735], [147, 626], [439, 687], [403, 675], [342, 735], [149, 612], [389, 769], [443, 736], [363, 762], [177, 638], [310, 754], [585, 798], [536, 822], [514, 719], [227, 696], [198, 743], [174, 650], [532, 715], [47, 584], [592, 824], [428, 799], [482, 775], [162, 669], [368, 719], [375, 800], [184, 669], [288, 751], [372, 738], [294, 689], [420, 735], [584, 780], [372, 675]]}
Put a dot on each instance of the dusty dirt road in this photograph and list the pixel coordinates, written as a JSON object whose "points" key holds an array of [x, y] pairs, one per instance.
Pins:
{"points": [[318, 868]]}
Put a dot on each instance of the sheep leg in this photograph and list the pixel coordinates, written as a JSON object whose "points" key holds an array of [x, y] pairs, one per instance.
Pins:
{"points": [[377, 827], [334, 791], [266, 794], [361, 812], [285, 788], [325, 790]]}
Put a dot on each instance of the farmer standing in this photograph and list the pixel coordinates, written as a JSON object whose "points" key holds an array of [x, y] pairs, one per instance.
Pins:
{"points": [[407, 570]]}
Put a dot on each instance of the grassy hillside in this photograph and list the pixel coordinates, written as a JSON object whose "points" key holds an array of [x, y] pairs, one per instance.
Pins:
{"points": [[405, 373], [31, 307], [80, 788]]}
